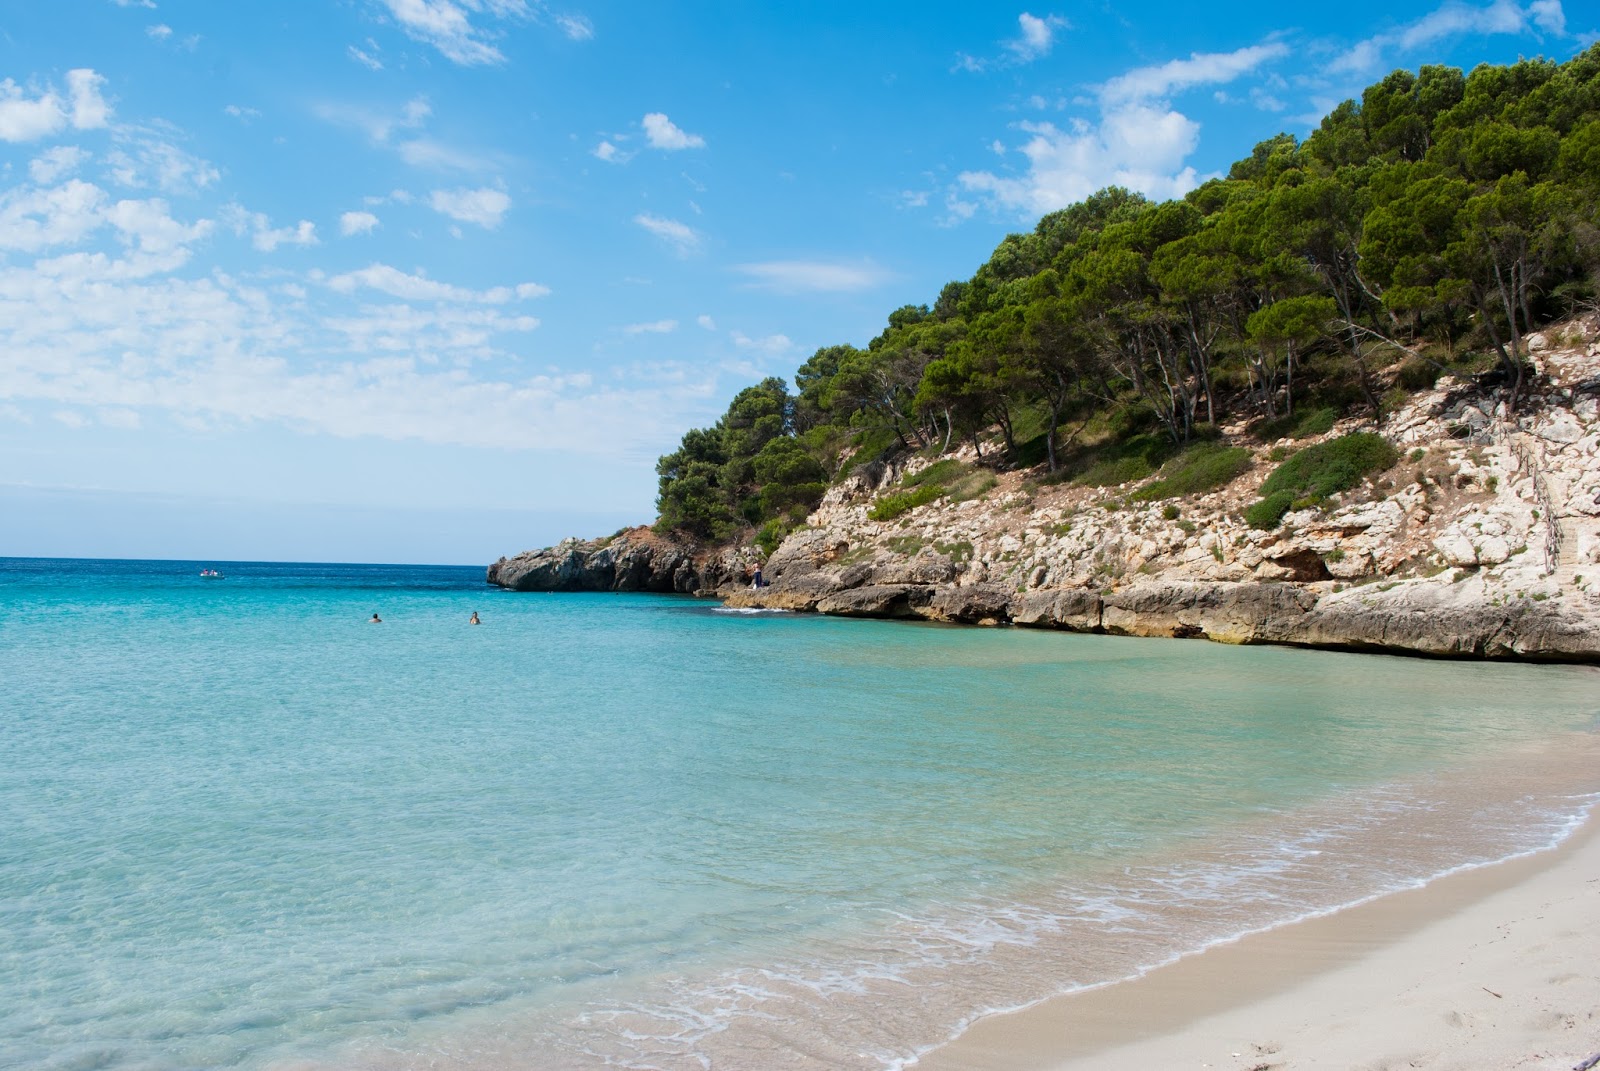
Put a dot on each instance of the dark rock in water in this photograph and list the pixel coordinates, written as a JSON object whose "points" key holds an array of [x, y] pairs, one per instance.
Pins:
{"points": [[636, 560]]}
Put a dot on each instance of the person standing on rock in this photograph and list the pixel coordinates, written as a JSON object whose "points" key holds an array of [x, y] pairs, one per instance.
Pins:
{"points": [[757, 583]]}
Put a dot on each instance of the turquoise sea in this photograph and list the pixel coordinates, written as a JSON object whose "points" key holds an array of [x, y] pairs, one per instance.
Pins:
{"points": [[241, 827]]}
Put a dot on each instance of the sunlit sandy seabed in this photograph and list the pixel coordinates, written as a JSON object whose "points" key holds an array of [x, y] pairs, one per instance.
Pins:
{"points": [[247, 829]]}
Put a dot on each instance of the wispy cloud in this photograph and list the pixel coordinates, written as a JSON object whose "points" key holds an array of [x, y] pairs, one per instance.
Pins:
{"points": [[654, 327], [1452, 19], [447, 25], [576, 27], [769, 345], [662, 133], [678, 234], [263, 235], [1201, 68], [814, 276], [370, 62], [418, 287]]}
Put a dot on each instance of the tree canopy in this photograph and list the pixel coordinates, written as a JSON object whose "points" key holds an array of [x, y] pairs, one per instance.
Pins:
{"points": [[1442, 215]]}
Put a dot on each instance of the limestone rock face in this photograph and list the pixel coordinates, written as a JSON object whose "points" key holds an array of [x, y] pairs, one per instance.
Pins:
{"points": [[877, 600], [979, 604], [1483, 541]]}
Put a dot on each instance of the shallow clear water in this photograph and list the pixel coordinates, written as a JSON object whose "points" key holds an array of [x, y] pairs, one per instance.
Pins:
{"points": [[245, 828]]}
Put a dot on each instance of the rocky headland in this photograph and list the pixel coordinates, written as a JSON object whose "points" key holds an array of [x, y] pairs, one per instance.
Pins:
{"points": [[1483, 540]]}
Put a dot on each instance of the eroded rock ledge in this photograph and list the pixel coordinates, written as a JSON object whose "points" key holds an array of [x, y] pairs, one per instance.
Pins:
{"points": [[1413, 617]]}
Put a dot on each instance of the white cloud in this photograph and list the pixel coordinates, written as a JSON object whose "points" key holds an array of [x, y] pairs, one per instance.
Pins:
{"points": [[486, 207], [244, 115], [351, 223], [51, 164], [1139, 140], [36, 219], [418, 287], [447, 26], [263, 235], [608, 152], [672, 231], [814, 276], [151, 4], [433, 156], [1453, 19], [90, 337], [159, 32], [654, 327], [576, 27], [706, 322], [28, 118], [1141, 147], [664, 134], [149, 225], [371, 63], [1548, 16], [1201, 68], [1038, 36]]}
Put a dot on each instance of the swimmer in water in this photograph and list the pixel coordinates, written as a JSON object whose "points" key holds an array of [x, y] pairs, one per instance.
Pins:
{"points": [[376, 620], [473, 620]]}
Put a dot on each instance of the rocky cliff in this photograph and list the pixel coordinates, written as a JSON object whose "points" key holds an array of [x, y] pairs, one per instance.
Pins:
{"points": [[1484, 540]]}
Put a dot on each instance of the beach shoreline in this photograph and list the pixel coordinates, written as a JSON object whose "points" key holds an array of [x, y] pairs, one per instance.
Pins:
{"points": [[1490, 967]]}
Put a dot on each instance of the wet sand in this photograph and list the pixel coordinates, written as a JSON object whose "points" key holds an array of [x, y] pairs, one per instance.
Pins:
{"points": [[1492, 968]]}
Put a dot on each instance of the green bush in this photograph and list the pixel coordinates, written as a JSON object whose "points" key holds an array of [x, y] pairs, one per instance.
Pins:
{"points": [[1201, 468], [891, 506], [1328, 468], [1170, 512], [1268, 513]]}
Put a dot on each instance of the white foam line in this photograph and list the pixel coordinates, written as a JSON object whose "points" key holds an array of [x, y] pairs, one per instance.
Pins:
{"points": [[1570, 825]]}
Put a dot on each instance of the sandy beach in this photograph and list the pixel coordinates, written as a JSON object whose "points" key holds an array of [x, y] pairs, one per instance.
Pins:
{"points": [[1486, 969]]}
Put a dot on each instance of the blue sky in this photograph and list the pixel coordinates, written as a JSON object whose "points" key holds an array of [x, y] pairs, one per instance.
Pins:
{"points": [[437, 280]]}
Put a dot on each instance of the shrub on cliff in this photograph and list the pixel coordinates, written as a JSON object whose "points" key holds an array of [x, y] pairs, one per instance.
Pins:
{"points": [[891, 506], [1328, 468], [1319, 471], [1268, 513]]}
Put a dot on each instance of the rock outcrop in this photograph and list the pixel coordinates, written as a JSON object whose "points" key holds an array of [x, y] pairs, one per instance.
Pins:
{"points": [[1483, 541]]}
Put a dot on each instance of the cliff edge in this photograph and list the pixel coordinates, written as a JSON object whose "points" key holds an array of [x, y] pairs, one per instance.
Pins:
{"points": [[1483, 540]]}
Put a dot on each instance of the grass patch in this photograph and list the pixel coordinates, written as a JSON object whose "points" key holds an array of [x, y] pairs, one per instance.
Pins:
{"points": [[1134, 458], [940, 472], [891, 506], [975, 485], [1201, 468]]}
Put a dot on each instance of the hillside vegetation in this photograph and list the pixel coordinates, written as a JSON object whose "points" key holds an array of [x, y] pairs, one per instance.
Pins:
{"points": [[1427, 227]]}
